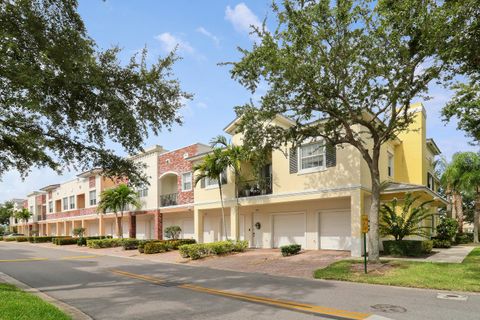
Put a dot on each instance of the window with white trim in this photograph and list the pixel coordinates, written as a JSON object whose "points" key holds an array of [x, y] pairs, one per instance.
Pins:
{"points": [[390, 165], [50, 207], [143, 191], [65, 203], [211, 182], [92, 196], [72, 202], [186, 181], [312, 156]]}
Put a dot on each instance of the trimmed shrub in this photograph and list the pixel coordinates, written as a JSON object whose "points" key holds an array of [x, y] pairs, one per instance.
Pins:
{"points": [[104, 243], [175, 244], [462, 238], [64, 241], [130, 244], [173, 232], [142, 243], [155, 247], [9, 239], [447, 228], [41, 239], [290, 249], [438, 243], [21, 239], [200, 250], [82, 241], [409, 248]]}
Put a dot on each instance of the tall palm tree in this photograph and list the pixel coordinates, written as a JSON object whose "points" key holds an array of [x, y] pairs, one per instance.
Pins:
{"points": [[212, 167], [451, 183], [467, 165], [117, 199], [24, 215], [234, 156]]}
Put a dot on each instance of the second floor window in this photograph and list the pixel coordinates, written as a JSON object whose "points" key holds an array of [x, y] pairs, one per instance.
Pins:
{"points": [[430, 182], [93, 197], [187, 181], [72, 202], [143, 191], [390, 165], [65, 203], [50, 206], [312, 156]]}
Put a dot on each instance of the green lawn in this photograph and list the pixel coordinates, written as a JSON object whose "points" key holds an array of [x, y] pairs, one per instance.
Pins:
{"points": [[16, 304], [449, 276]]}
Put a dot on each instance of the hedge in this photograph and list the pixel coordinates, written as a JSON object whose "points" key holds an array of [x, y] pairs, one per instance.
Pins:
{"points": [[104, 243], [463, 238], [21, 239], [155, 247], [40, 239], [64, 241], [290, 249], [130, 244], [438, 243], [171, 244], [82, 241], [410, 248], [9, 239], [200, 250]]}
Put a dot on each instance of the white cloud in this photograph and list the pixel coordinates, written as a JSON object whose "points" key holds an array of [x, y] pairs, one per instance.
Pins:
{"points": [[202, 105], [170, 42], [242, 18], [210, 35]]}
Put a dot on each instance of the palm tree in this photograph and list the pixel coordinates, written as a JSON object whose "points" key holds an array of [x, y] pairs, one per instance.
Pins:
{"points": [[213, 167], [467, 165], [117, 199], [24, 215], [234, 156], [450, 181], [404, 220]]}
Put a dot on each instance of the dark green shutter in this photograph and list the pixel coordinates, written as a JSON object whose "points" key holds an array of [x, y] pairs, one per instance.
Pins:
{"points": [[293, 160], [331, 155]]}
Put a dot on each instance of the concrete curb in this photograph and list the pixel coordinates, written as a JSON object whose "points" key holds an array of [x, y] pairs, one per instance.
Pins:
{"points": [[73, 312]]}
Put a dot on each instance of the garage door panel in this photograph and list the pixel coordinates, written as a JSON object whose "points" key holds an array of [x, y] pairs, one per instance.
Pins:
{"points": [[335, 230], [288, 229]]}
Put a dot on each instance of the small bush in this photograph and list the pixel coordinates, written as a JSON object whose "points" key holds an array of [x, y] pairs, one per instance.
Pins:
{"points": [[155, 247], [447, 228], [438, 243], [174, 244], [64, 241], [40, 239], [82, 241], [240, 246], [290, 249], [104, 243], [463, 238], [9, 239], [173, 232], [21, 239], [130, 244], [410, 248]]}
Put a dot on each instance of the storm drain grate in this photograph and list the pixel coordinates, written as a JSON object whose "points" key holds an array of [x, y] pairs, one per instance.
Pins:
{"points": [[452, 296], [389, 308]]}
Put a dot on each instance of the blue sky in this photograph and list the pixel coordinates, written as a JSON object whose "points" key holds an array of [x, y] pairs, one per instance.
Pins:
{"points": [[207, 33]]}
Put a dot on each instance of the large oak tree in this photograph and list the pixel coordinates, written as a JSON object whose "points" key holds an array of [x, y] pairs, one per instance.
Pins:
{"points": [[346, 71], [62, 101]]}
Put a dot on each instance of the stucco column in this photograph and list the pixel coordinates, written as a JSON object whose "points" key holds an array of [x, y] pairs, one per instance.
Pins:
{"points": [[65, 228], [234, 223], [101, 225], [84, 226], [57, 230], [48, 228], [132, 230], [356, 208], [158, 225], [73, 226], [198, 224]]}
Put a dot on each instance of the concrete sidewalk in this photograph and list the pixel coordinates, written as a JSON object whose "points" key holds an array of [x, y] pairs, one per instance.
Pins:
{"points": [[454, 254]]}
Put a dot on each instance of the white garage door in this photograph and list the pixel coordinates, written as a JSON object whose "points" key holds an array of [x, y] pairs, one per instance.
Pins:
{"points": [[288, 229], [335, 230]]}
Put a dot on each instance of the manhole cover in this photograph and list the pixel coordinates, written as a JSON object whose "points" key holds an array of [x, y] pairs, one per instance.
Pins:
{"points": [[451, 296], [389, 308]]}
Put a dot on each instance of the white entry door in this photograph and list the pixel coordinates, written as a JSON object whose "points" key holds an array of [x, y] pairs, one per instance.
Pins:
{"points": [[335, 230], [288, 229], [257, 232]]}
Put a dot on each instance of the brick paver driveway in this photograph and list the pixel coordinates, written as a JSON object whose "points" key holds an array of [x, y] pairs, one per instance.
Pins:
{"points": [[270, 261]]}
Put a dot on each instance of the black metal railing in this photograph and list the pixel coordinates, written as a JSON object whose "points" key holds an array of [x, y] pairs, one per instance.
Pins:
{"points": [[257, 187], [168, 199]]}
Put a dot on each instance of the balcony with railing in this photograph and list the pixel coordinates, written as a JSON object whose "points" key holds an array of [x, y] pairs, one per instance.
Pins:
{"points": [[167, 200], [255, 187]]}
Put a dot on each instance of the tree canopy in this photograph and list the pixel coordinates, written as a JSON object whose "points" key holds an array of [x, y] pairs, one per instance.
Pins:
{"points": [[6, 211], [62, 101]]}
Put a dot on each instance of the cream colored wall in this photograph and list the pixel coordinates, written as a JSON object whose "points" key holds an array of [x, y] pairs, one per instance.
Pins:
{"points": [[71, 188], [151, 171]]}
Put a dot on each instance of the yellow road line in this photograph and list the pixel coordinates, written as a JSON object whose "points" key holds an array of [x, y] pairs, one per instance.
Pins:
{"points": [[138, 276], [24, 260], [291, 305], [77, 257]]}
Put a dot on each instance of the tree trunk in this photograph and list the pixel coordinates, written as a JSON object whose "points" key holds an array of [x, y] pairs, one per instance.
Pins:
{"points": [[458, 208], [119, 226], [223, 209], [476, 216], [373, 236]]}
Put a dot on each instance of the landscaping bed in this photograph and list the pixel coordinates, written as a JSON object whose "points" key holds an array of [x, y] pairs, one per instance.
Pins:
{"points": [[201, 250], [463, 276], [18, 304]]}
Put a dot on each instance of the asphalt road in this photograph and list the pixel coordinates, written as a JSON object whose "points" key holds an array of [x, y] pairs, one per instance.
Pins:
{"points": [[119, 288]]}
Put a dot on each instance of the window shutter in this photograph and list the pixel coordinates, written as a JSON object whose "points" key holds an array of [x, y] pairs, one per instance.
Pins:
{"points": [[202, 183], [293, 160], [223, 177], [331, 155]]}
